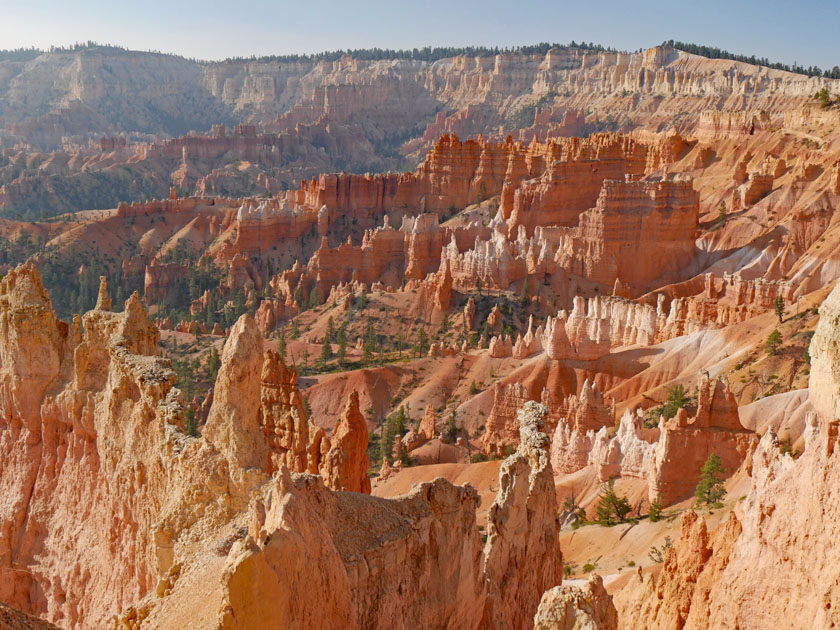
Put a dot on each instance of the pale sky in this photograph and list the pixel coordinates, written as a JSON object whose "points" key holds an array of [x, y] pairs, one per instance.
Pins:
{"points": [[804, 31]]}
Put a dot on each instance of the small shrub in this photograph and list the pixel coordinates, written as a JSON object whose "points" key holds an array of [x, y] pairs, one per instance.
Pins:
{"points": [[655, 512], [588, 567], [657, 554]]}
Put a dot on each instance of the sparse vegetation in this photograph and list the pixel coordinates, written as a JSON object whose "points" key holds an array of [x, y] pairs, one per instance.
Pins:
{"points": [[612, 507], [657, 554], [655, 511]]}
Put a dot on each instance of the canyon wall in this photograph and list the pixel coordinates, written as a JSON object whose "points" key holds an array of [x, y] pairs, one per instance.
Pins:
{"points": [[93, 433], [736, 570]]}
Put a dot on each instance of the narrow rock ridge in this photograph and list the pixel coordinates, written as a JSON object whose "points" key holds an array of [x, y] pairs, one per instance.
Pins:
{"points": [[522, 556]]}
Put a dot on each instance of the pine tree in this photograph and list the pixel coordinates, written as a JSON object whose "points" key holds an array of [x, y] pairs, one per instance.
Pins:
{"points": [[452, 427], [369, 344], [394, 429], [238, 305], [213, 364], [779, 307], [314, 298], [342, 343], [773, 342], [190, 423], [281, 345], [400, 344], [330, 330], [611, 506], [421, 344], [524, 294], [208, 315], [362, 300], [710, 488], [677, 399], [326, 352]]}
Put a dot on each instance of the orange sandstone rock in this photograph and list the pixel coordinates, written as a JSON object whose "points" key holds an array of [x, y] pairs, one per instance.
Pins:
{"points": [[346, 464], [522, 559], [587, 607]]}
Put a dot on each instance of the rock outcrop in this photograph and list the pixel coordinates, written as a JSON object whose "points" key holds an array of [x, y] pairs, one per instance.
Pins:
{"points": [[580, 413], [720, 578], [282, 415], [88, 434], [730, 577], [317, 559], [569, 607], [824, 381], [522, 558], [233, 424], [668, 457], [11, 619], [346, 464], [685, 443]]}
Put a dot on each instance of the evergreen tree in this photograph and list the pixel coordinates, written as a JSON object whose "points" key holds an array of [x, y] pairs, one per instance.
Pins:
{"points": [[326, 352], [710, 488], [677, 399], [330, 330], [238, 305], [421, 344], [362, 300], [773, 342], [295, 332], [611, 506], [452, 428], [208, 316], [298, 294], [394, 429], [369, 343], [190, 423], [779, 307], [314, 298], [213, 364], [281, 345], [341, 336], [525, 293]]}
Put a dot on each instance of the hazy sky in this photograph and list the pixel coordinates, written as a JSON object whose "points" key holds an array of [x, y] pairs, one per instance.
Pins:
{"points": [[794, 30]]}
